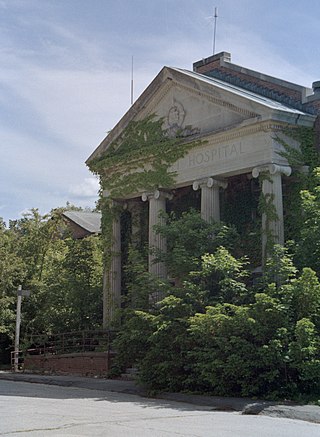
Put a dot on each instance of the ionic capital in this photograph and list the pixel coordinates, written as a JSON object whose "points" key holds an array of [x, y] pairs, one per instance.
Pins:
{"points": [[272, 169], [209, 183], [157, 195]]}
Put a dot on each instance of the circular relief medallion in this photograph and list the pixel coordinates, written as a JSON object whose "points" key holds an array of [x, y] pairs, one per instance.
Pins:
{"points": [[176, 115]]}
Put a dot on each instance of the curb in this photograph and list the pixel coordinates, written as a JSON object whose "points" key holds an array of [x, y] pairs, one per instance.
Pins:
{"points": [[246, 406]]}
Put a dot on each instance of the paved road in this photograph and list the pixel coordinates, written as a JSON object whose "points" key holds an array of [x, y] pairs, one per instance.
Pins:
{"points": [[41, 410]]}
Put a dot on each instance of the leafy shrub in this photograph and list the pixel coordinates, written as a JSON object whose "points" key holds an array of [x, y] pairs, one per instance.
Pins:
{"points": [[206, 336]]}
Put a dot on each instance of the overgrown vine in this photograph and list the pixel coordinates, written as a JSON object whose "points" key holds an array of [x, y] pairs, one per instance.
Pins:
{"points": [[140, 159], [303, 161], [268, 211]]}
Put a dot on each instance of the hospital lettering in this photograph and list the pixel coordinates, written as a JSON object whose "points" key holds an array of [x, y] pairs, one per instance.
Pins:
{"points": [[216, 154]]}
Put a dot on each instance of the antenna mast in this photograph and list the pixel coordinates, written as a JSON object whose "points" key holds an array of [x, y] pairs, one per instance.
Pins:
{"points": [[214, 30], [132, 81]]}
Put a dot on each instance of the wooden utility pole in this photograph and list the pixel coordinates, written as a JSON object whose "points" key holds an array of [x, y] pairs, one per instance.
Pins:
{"points": [[20, 293]]}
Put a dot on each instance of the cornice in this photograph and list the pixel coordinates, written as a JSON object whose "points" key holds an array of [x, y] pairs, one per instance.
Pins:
{"points": [[242, 131], [156, 99]]}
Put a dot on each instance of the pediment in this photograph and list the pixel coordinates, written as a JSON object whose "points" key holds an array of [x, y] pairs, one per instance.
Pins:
{"points": [[194, 112], [195, 104]]}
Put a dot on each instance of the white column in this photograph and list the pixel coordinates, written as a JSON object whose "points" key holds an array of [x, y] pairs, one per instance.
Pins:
{"points": [[112, 278], [157, 204], [135, 209], [210, 197], [272, 219]]}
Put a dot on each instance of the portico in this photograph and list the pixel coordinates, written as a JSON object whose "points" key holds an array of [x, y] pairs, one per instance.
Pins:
{"points": [[234, 132]]}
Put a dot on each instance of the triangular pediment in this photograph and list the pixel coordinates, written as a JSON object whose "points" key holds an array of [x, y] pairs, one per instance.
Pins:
{"points": [[194, 104], [185, 108]]}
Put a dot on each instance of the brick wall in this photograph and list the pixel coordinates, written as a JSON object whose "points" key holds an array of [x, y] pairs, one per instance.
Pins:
{"points": [[220, 67], [77, 364]]}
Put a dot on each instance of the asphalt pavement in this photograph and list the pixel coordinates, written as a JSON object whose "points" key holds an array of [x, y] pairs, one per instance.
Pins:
{"points": [[310, 413]]}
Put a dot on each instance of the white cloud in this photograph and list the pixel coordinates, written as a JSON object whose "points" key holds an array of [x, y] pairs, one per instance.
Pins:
{"points": [[77, 107], [255, 52], [88, 188]]}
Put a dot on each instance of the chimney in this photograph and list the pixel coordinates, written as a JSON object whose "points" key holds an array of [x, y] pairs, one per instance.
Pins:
{"points": [[316, 88], [313, 100], [208, 64]]}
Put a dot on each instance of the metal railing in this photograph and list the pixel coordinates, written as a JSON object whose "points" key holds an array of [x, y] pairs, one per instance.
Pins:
{"points": [[71, 342], [17, 361]]}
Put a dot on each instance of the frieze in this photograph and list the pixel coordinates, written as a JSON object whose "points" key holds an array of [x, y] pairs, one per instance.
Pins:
{"points": [[238, 147], [203, 157]]}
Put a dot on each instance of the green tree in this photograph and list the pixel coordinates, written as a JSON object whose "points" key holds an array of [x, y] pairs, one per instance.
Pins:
{"points": [[308, 242], [64, 276], [12, 273], [188, 238], [263, 346]]}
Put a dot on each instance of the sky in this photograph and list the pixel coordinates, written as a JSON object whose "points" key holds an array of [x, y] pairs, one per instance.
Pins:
{"points": [[65, 76]]}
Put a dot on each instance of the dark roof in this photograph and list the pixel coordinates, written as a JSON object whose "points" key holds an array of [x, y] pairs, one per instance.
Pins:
{"points": [[241, 91], [88, 221], [290, 94]]}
